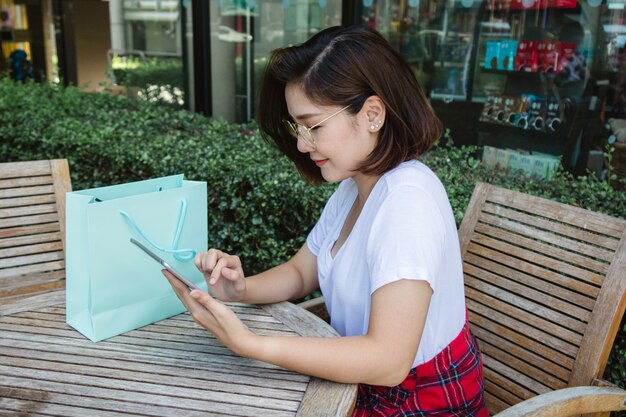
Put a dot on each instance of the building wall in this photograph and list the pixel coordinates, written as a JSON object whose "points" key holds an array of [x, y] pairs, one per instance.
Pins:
{"points": [[93, 41]]}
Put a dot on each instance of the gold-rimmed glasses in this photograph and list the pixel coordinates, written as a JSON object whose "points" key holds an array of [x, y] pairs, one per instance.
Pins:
{"points": [[296, 129]]}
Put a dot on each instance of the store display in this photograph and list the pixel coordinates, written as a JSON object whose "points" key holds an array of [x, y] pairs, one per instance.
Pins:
{"points": [[532, 164], [525, 112]]}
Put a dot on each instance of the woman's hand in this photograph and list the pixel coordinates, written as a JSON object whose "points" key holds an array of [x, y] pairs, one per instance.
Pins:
{"points": [[214, 316], [223, 273]]}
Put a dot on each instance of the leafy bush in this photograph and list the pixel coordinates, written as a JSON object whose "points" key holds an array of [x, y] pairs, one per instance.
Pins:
{"points": [[259, 208], [157, 80]]}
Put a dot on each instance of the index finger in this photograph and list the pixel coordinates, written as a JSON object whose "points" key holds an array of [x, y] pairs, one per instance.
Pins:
{"points": [[206, 261]]}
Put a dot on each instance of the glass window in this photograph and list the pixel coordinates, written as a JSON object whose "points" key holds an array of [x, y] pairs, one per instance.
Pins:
{"points": [[146, 55], [434, 36], [14, 40], [243, 35]]}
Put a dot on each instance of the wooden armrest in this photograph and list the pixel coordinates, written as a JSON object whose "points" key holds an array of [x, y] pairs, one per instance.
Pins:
{"points": [[317, 307], [602, 383], [569, 402]]}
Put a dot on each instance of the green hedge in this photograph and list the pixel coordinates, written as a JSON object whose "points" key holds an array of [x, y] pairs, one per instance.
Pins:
{"points": [[259, 208], [158, 80]]}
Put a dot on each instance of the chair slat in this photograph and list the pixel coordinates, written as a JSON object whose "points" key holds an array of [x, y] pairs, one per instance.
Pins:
{"points": [[552, 308], [486, 337], [27, 201], [30, 259], [536, 277], [31, 269], [506, 333], [25, 181], [27, 210], [508, 249], [33, 279], [546, 249], [29, 230], [30, 249], [11, 292], [578, 233], [29, 240], [495, 404], [532, 334], [578, 217], [538, 317], [523, 386], [26, 191], [577, 240], [25, 169], [518, 365], [28, 220]]}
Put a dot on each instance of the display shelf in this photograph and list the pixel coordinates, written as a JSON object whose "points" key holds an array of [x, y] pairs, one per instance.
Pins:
{"points": [[557, 134], [528, 74], [446, 64]]}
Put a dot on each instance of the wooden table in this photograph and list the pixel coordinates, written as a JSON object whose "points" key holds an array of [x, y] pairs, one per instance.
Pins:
{"points": [[170, 368]]}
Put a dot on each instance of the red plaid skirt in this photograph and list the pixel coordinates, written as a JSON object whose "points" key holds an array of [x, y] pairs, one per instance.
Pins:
{"points": [[450, 384]]}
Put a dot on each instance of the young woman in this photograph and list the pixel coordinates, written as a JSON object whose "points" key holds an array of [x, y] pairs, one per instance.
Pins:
{"points": [[346, 108]]}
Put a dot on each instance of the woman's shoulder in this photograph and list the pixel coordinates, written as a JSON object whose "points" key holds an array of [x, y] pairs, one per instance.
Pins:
{"points": [[411, 174]]}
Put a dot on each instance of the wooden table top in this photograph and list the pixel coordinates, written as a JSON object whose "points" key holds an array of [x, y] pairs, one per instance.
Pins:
{"points": [[173, 367]]}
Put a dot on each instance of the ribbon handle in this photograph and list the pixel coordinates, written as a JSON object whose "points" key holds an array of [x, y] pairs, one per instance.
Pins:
{"points": [[179, 254]]}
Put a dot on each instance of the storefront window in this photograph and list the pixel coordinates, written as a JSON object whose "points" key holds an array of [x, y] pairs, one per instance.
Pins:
{"points": [[434, 36], [146, 54], [15, 41], [537, 78], [243, 35]]}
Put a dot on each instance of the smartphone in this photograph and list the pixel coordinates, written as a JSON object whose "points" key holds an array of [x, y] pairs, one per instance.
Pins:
{"points": [[165, 265]]}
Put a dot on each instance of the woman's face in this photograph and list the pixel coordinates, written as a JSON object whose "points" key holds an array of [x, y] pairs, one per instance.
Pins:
{"points": [[342, 142]]}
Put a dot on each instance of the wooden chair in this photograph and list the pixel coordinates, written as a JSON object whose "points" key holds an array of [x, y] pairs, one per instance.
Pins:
{"points": [[545, 286], [32, 227], [546, 290]]}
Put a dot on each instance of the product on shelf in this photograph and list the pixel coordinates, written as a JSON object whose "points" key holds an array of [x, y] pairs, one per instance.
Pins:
{"points": [[523, 121], [492, 54], [488, 108], [525, 112], [543, 4], [507, 54], [530, 163], [553, 56], [537, 119], [553, 115], [527, 57]]}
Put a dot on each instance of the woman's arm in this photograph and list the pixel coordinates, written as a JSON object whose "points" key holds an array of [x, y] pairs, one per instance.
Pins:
{"points": [[227, 282], [294, 279], [383, 356]]}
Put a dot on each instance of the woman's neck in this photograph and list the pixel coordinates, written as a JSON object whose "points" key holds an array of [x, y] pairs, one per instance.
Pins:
{"points": [[364, 184]]}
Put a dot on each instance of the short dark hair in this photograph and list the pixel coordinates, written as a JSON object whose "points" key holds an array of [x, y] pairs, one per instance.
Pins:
{"points": [[344, 65]]}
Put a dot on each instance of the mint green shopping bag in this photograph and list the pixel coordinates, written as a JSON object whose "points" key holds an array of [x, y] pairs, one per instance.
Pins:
{"points": [[111, 285]]}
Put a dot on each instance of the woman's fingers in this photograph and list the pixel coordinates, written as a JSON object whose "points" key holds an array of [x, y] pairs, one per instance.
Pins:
{"points": [[227, 267], [205, 261]]}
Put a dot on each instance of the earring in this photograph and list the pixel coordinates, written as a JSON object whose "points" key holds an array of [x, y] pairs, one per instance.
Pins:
{"points": [[377, 125]]}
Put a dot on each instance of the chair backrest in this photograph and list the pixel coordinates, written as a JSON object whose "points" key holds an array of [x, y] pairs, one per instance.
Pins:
{"points": [[32, 227], [545, 287]]}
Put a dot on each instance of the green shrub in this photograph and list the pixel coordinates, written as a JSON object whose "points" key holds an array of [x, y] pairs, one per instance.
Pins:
{"points": [[259, 208], [158, 80]]}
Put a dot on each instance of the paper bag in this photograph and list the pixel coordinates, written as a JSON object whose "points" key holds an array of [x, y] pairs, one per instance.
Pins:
{"points": [[112, 286]]}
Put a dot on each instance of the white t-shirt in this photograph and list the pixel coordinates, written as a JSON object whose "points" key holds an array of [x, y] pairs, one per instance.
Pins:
{"points": [[406, 230]]}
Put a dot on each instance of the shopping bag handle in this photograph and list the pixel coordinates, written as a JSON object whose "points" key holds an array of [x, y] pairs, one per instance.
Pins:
{"points": [[179, 254]]}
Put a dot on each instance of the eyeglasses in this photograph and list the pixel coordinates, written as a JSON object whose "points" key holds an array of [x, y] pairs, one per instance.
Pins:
{"points": [[296, 129]]}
